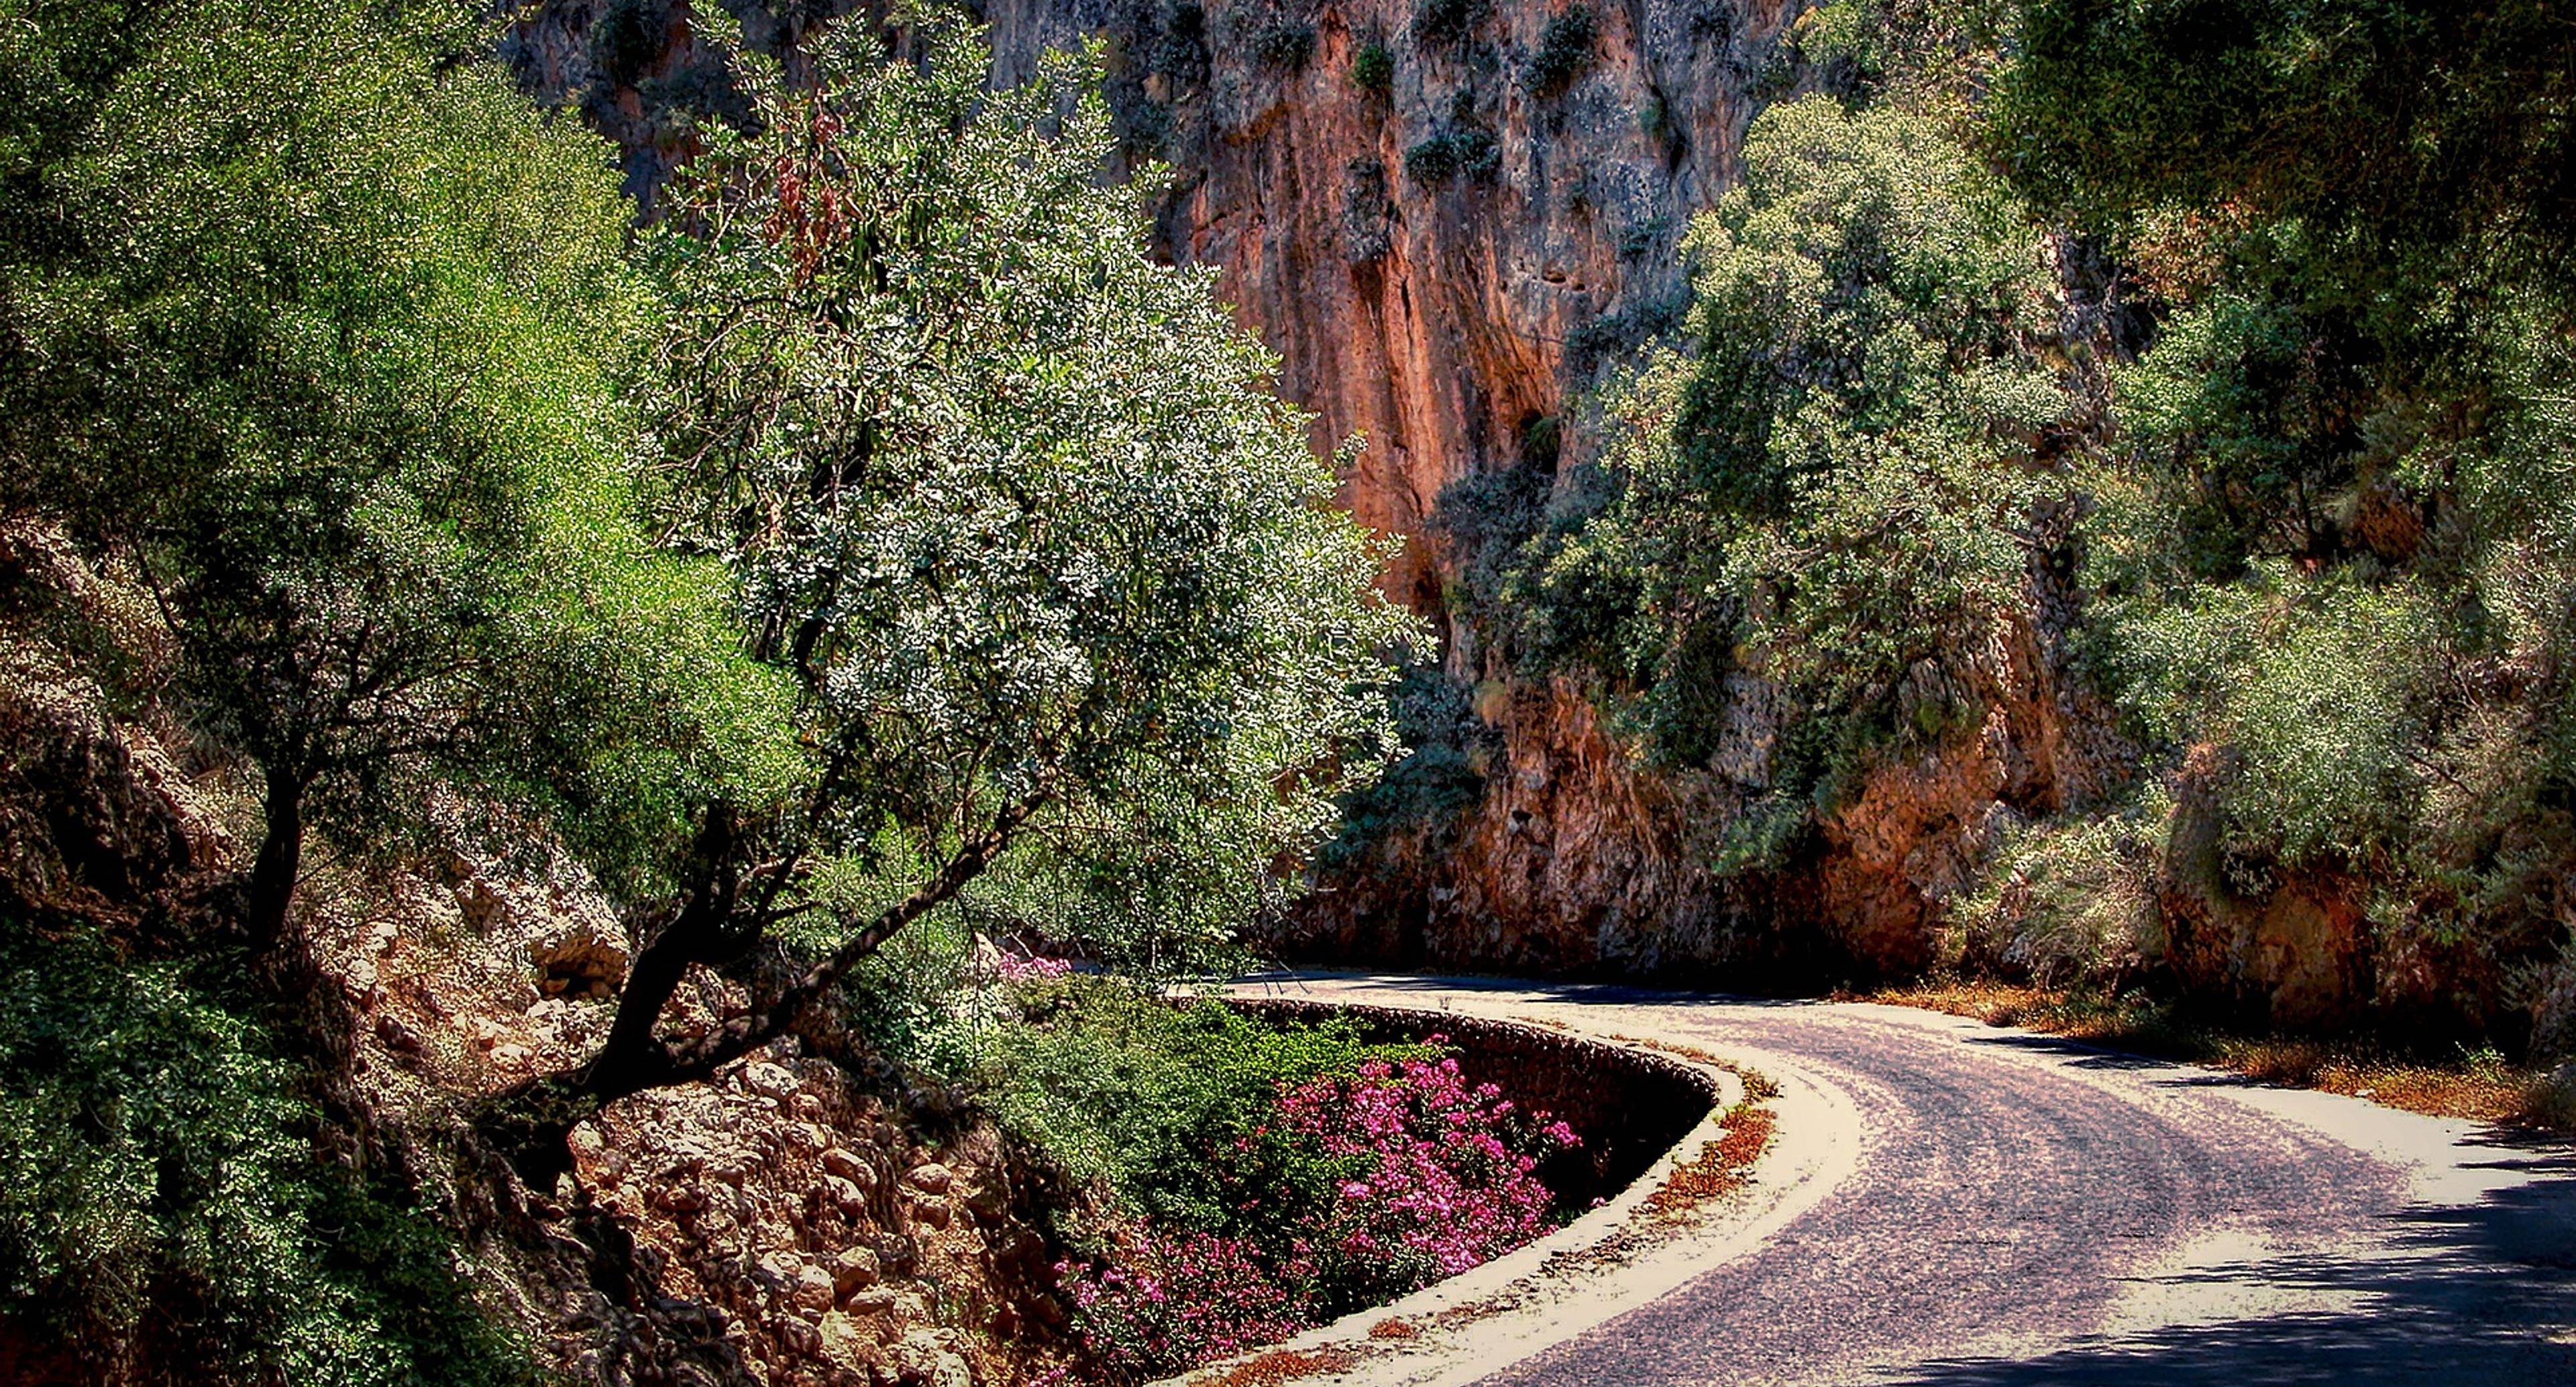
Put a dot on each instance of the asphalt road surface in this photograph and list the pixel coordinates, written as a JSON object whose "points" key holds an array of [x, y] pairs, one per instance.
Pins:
{"points": [[1979, 1207]]}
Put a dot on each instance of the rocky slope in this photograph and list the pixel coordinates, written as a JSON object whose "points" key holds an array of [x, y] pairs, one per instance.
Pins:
{"points": [[804, 1221]]}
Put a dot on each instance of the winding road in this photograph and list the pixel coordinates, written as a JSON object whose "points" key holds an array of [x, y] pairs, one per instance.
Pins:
{"points": [[1959, 1205]]}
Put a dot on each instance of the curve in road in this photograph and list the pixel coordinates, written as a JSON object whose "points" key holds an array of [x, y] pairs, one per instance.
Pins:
{"points": [[1958, 1205]]}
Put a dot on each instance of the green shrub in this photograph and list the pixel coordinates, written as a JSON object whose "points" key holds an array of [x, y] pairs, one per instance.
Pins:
{"points": [[1373, 68], [1564, 50], [1640, 239], [1125, 1086], [1614, 333], [1435, 781], [2069, 903], [160, 1194], [1285, 45], [1452, 154]]}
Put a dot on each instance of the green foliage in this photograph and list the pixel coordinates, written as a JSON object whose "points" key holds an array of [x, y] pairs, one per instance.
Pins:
{"points": [[2069, 903], [325, 334], [160, 1199], [1564, 50], [1014, 508], [2326, 482], [1829, 495], [1465, 152], [1439, 776], [2328, 489], [2412, 140], [1612, 334], [1286, 45], [1132, 1089], [1373, 68], [1930, 57], [1640, 239], [2275, 439]]}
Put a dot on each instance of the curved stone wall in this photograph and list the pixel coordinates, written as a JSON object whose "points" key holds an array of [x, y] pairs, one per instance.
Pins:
{"points": [[1630, 1105]]}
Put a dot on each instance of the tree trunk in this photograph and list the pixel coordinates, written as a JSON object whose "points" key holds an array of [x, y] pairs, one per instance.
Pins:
{"points": [[633, 1058], [741, 1037], [271, 892], [529, 1123]]}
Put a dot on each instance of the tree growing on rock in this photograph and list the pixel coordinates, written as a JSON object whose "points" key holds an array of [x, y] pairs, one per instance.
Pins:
{"points": [[1075, 637], [320, 334], [1831, 488]]}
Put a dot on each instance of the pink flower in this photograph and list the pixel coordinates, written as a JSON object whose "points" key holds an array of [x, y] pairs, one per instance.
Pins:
{"points": [[1434, 1177]]}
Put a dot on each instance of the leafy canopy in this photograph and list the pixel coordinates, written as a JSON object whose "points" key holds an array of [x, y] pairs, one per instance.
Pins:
{"points": [[1012, 506], [322, 333], [1828, 492]]}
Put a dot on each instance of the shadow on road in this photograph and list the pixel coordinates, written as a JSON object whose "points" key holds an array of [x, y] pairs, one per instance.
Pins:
{"points": [[1382, 986], [2081, 1055], [2472, 1295]]}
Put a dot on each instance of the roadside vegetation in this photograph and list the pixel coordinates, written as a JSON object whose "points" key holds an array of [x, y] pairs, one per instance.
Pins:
{"points": [[1265, 1177], [2202, 363], [2479, 1084]]}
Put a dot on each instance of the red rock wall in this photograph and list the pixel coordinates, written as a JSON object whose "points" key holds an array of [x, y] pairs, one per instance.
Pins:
{"points": [[1432, 318]]}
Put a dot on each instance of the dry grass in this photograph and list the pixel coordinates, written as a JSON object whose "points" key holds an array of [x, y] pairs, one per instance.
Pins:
{"points": [[1722, 1166], [2478, 1085], [1283, 1365], [1720, 1169], [1395, 1329]]}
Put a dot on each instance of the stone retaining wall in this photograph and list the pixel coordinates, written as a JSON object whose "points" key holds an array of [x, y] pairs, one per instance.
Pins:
{"points": [[1629, 1105]]}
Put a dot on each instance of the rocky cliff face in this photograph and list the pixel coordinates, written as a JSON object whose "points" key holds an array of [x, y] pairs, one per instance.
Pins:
{"points": [[1438, 230], [1444, 216]]}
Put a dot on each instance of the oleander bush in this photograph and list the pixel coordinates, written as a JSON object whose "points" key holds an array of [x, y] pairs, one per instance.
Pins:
{"points": [[1262, 1176]]}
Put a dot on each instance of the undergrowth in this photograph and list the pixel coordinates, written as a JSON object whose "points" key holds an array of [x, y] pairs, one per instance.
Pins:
{"points": [[1261, 1177], [2476, 1084], [162, 1191]]}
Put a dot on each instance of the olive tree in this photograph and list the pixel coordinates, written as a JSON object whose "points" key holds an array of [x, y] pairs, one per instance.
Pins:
{"points": [[1075, 634], [320, 333]]}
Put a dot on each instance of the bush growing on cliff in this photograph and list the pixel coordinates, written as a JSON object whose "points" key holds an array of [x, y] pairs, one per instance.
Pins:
{"points": [[1830, 492], [2069, 904], [1438, 777], [2337, 480], [1564, 50], [1453, 154], [1373, 68]]}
